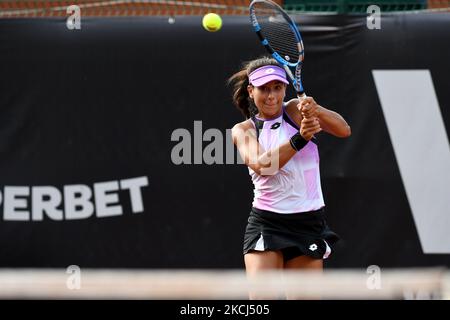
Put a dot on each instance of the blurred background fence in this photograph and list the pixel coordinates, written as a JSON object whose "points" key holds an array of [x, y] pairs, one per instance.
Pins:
{"points": [[49, 8]]}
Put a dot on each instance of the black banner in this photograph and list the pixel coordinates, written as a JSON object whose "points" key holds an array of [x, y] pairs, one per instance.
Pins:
{"points": [[115, 149]]}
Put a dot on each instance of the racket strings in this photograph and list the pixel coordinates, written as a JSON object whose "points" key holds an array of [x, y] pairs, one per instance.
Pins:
{"points": [[282, 40], [278, 33]]}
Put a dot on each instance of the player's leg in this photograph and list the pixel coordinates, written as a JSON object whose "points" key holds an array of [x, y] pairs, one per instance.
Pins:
{"points": [[308, 264], [257, 261], [304, 262]]}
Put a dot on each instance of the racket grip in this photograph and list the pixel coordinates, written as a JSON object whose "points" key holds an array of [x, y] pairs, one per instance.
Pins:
{"points": [[301, 95]]}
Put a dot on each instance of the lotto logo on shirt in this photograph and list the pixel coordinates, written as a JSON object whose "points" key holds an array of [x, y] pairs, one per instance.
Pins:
{"points": [[276, 125]]}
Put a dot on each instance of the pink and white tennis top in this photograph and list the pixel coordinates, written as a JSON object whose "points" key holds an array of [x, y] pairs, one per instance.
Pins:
{"points": [[296, 186]]}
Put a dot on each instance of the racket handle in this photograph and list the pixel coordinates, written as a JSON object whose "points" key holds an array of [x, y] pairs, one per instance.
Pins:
{"points": [[301, 95]]}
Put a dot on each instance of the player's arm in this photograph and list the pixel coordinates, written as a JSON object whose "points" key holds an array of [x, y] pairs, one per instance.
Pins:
{"points": [[330, 121], [333, 123], [263, 162]]}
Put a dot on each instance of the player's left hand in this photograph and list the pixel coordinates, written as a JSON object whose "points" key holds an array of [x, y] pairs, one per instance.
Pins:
{"points": [[309, 108]]}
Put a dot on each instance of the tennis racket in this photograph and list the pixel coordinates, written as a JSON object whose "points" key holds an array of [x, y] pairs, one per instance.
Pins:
{"points": [[281, 37]]}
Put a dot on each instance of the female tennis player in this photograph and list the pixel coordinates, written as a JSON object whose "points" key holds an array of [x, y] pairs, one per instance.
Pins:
{"points": [[286, 227]]}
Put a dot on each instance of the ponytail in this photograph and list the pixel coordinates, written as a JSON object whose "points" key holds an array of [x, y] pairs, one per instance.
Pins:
{"points": [[241, 99]]}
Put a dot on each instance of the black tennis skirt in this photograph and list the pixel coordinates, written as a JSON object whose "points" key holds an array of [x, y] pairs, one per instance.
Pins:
{"points": [[294, 234]]}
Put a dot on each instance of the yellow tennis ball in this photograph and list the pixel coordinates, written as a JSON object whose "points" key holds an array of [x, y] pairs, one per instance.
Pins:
{"points": [[212, 22]]}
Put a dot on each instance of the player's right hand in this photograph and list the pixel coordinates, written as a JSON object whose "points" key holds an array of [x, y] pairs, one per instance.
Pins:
{"points": [[309, 127]]}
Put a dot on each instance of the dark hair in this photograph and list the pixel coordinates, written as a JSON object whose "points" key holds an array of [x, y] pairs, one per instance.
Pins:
{"points": [[239, 81]]}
